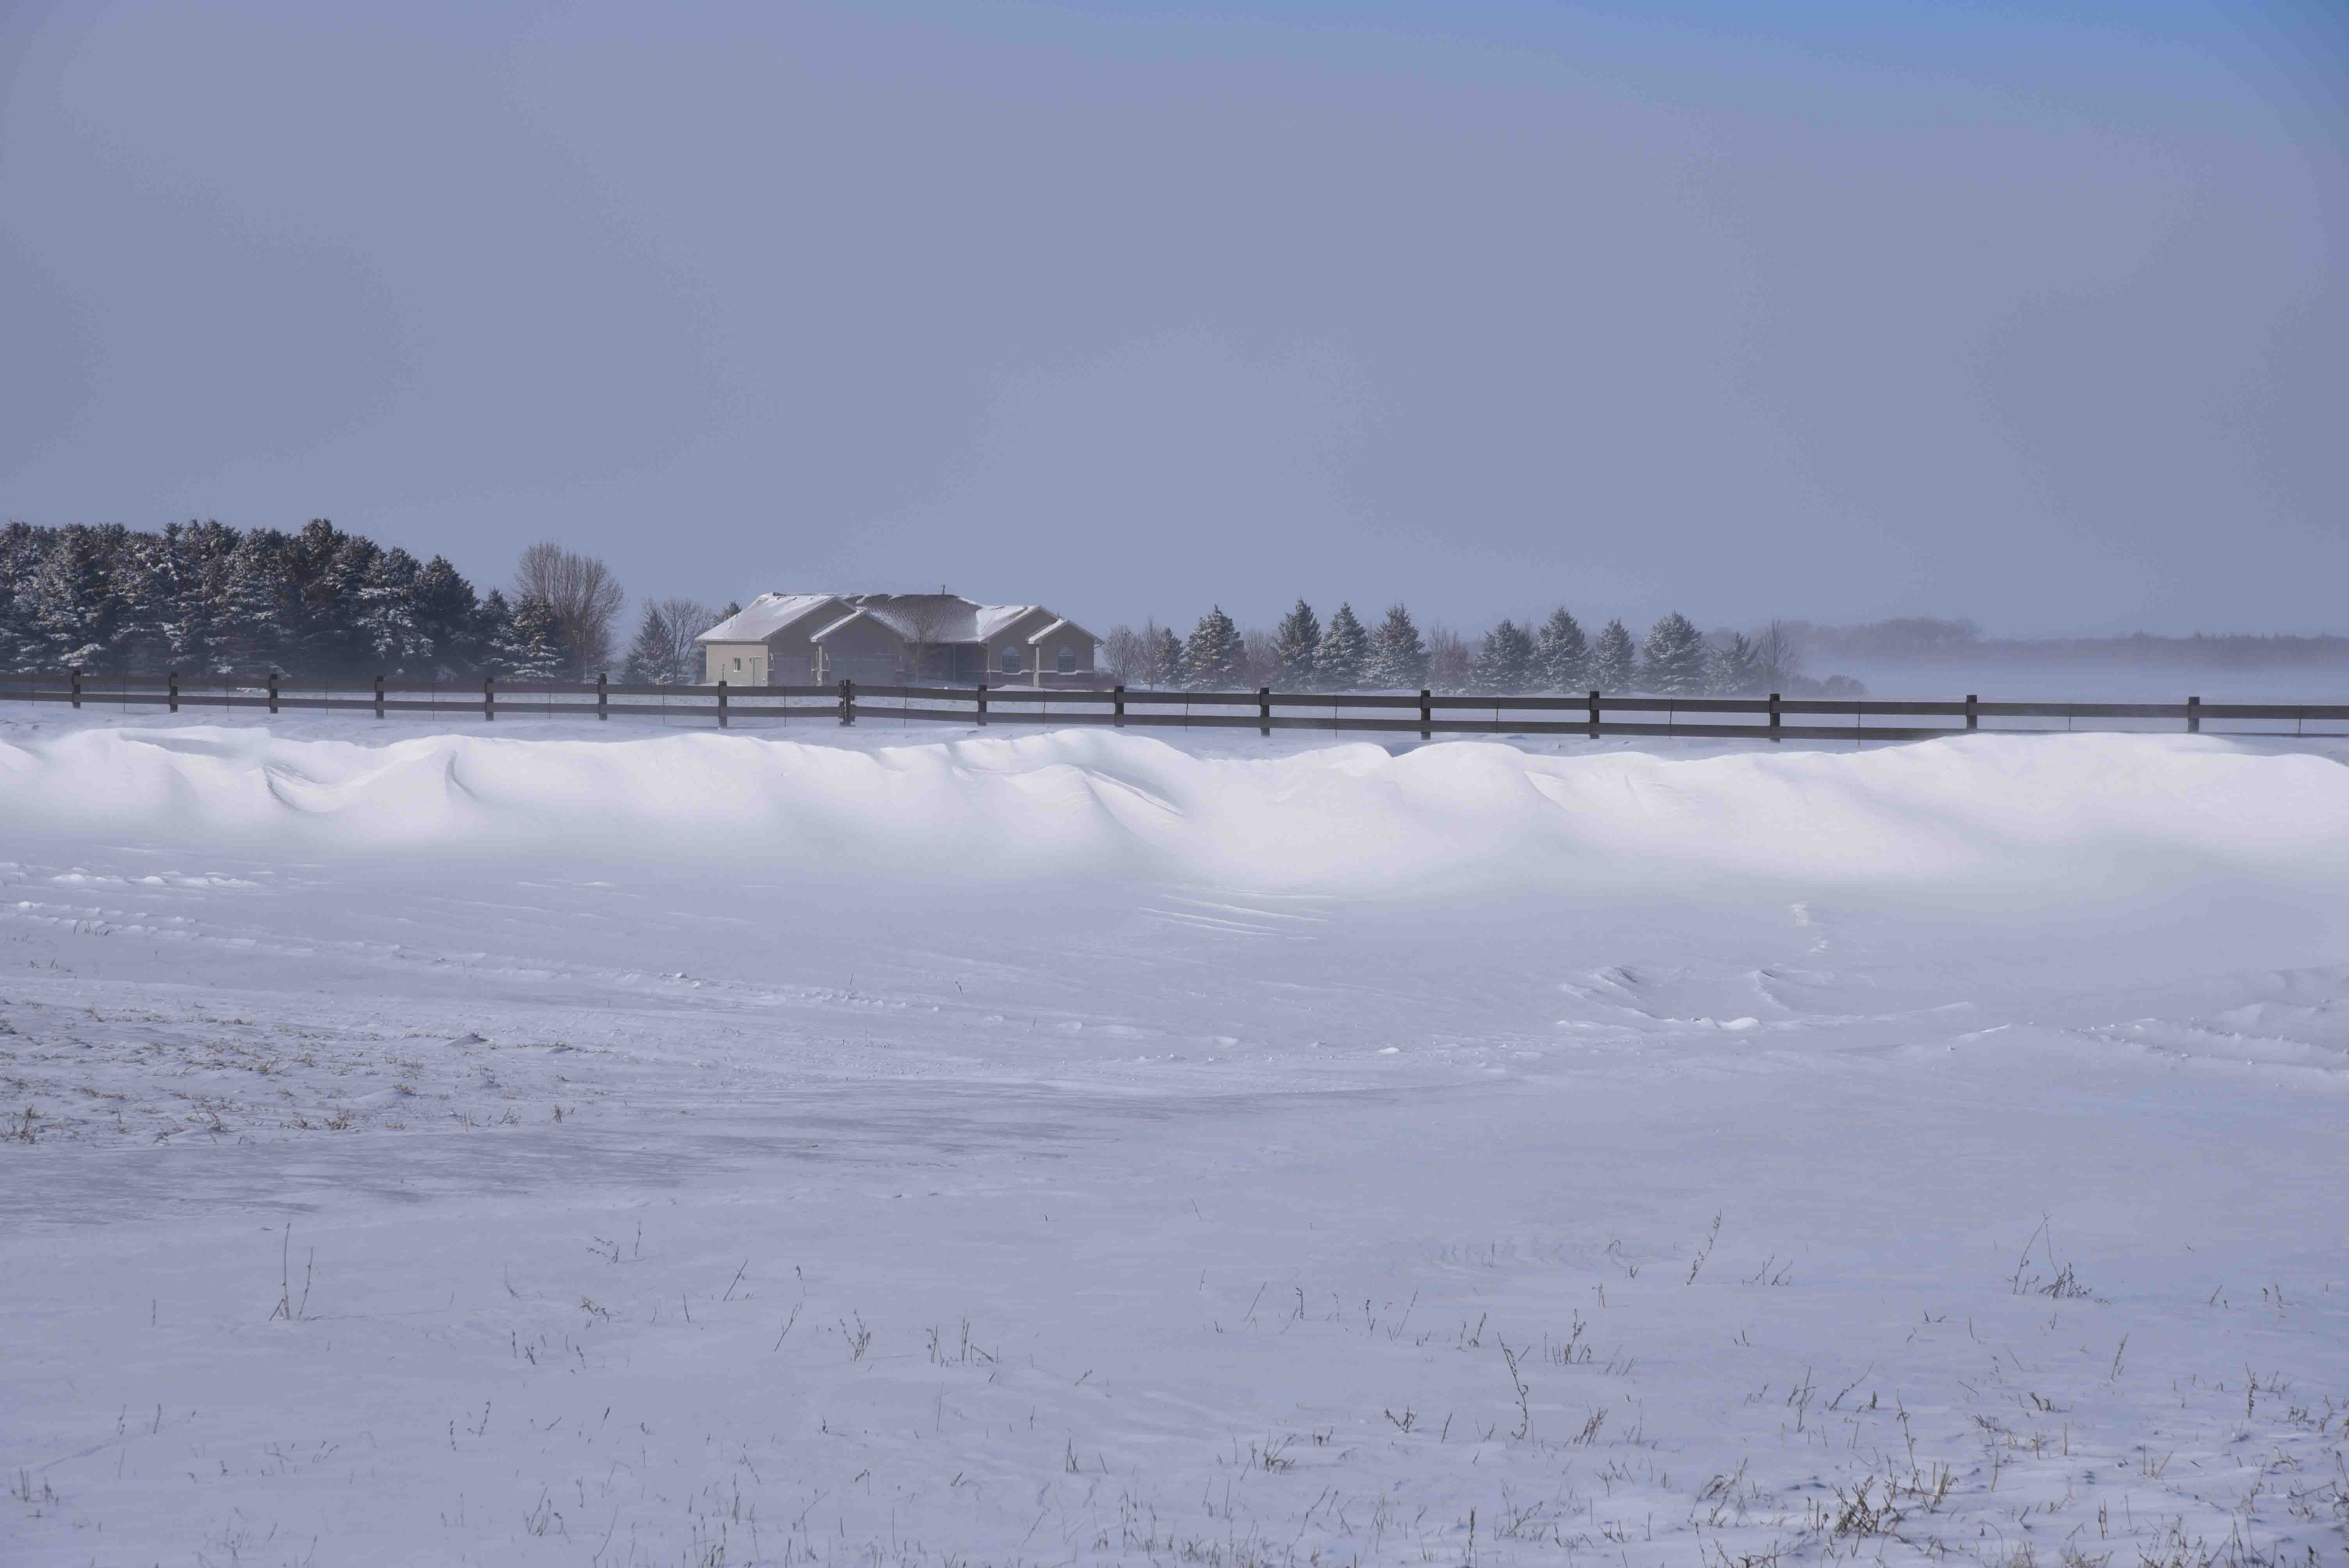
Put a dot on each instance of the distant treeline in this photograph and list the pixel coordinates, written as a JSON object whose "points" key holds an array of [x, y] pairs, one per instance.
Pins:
{"points": [[1923, 639], [206, 599], [1302, 654]]}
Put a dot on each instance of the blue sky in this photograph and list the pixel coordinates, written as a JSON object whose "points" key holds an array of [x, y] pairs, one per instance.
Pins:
{"points": [[2031, 313]]}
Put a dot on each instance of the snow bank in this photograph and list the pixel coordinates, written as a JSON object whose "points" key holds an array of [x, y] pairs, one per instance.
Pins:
{"points": [[2096, 810]]}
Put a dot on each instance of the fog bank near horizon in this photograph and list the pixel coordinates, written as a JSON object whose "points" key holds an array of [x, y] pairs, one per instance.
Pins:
{"points": [[2031, 315]]}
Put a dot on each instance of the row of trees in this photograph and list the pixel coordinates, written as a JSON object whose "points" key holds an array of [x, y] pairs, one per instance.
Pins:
{"points": [[206, 599], [1303, 654]]}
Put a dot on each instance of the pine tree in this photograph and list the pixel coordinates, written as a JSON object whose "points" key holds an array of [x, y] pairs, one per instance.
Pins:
{"points": [[1211, 660], [142, 578], [23, 548], [1562, 654], [531, 646], [1398, 656], [340, 638], [1163, 658], [1344, 656], [74, 608], [1672, 659], [1297, 640], [390, 618], [492, 630], [447, 613], [1731, 669], [200, 574], [254, 606], [1613, 661], [666, 651], [652, 654], [1505, 663]]}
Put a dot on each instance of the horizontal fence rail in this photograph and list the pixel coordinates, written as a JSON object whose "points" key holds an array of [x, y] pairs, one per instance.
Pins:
{"points": [[1425, 714]]}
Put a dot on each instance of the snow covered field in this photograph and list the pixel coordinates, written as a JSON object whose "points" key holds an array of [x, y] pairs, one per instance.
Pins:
{"points": [[695, 1149]]}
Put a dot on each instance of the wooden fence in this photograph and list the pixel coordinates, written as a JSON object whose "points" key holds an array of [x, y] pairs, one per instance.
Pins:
{"points": [[1424, 714]]}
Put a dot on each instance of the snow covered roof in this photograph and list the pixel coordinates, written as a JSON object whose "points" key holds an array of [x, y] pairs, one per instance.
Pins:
{"points": [[1002, 617], [764, 616], [931, 618], [1062, 627]]}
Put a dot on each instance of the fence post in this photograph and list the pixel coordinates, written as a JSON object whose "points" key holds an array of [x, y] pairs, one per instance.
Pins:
{"points": [[74, 676], [1594, 716], [2193, 716], [1775, 719], [1264, 710], [1426, 714], [379, 694], [1973, 719], [273, 692], [173, 677], [603, 697], [1117, 700], [848, 702], [489, 700], [721, 702], [982, 704]]}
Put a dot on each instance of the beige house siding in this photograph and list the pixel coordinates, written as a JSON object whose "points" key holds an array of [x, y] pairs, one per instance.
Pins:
{"points": [[738, 664]]}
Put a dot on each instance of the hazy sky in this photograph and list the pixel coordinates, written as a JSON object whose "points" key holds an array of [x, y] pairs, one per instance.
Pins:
{"points": [[2031, 313]]}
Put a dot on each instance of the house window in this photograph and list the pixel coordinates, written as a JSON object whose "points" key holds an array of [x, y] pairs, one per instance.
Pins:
{"points": [[1012, 661], [1065, 661], [738, 664]]}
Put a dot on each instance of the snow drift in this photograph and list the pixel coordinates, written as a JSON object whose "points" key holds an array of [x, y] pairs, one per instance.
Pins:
{"points": [[2099, 811]]}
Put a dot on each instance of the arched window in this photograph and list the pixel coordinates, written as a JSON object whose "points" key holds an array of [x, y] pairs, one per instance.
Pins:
{"points": [[1012, 661], [1065, 661]]}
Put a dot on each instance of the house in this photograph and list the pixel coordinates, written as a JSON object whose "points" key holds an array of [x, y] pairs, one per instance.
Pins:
{"points": [[895, 639]]}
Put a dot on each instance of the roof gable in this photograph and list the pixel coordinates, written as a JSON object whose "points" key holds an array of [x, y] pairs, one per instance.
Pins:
{"points": [[766, 616]]}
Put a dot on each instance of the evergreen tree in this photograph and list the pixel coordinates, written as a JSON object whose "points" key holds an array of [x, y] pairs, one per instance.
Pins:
{"points": [[141, 576], [1672, 659], [22, 549], [254, 608], [1164, 660], [1297, 640], [1613, 661], [1732, 668], [1398, 656], [492, 630], [532, 647], [666, 651], [337, 635], [74, 606], [1211, 660], [1505, 663], [1562, 656], [390, 618], [200, 557], [1344, 656], [447, 613], [652, 653]]}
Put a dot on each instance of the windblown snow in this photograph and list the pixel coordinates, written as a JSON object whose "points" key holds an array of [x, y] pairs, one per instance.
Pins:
{"points": [[724, 1150]]}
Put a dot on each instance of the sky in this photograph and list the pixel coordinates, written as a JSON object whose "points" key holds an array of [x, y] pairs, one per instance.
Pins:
{"points": [[2030, 314]]}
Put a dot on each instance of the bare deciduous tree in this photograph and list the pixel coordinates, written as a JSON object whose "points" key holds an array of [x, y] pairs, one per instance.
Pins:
{"points": [[924, 618], [583, 594], [1777, 657], [1123, 653], [1449, 659], [664, 651]]}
